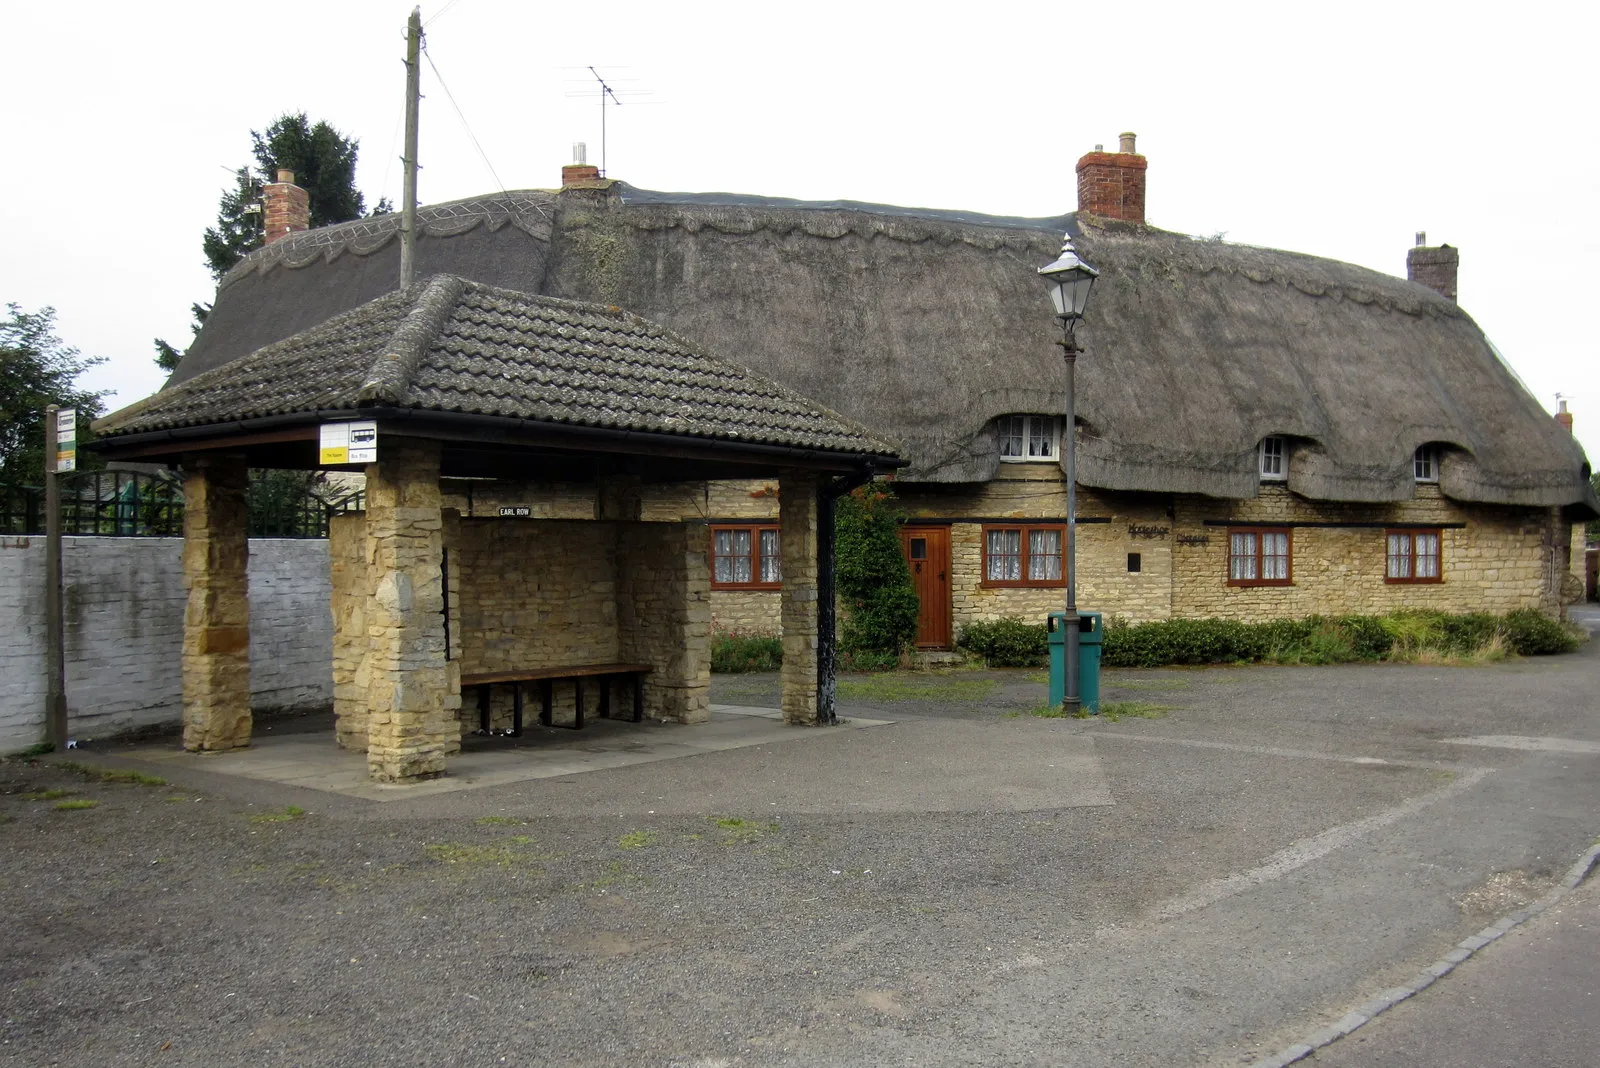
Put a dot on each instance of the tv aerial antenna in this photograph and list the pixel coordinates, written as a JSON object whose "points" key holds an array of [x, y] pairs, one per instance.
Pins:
{"points": [[610, 95]]}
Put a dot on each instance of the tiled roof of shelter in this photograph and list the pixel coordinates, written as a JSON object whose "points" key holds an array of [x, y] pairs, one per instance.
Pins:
{"points": [[450, 345]]}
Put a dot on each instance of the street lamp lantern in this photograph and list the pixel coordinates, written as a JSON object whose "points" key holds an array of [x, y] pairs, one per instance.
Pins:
{"points": [[1070, 280]]}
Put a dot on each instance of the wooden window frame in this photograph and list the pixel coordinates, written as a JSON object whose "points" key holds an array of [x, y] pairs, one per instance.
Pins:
{"points": [[1412, 580], [755, 531], [1288, 558], [1425, 456], [1024, 530], [1280, 444], [1053, 425]]}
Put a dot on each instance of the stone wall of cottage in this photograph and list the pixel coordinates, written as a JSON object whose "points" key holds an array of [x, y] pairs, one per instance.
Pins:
{"points": [[1111, 527], [1494, 558], [743, 611]]}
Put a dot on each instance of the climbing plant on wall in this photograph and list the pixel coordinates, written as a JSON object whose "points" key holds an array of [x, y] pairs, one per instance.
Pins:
{"points": [[880, 603]]}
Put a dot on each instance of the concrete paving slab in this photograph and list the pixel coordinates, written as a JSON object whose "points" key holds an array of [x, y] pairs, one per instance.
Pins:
{"points": [[313, 761]]}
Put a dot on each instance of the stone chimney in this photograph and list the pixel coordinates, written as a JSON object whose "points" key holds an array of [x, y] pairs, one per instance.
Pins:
{"points": [[1563, 416], [1111, 184], [286, 207], [1433, 267], [579, 174]]}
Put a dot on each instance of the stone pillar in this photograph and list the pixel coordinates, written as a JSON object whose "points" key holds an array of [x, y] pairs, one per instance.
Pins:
{"points": [[797, 531], [347, 568], [664, 615], [216, 620], [413, 692]]}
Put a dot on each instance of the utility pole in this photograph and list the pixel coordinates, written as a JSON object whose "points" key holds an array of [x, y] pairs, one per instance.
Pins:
{"points": [[408, 197], [55, 700]]}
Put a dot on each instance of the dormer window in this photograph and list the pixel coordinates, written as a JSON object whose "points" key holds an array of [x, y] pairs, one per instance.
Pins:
{"points": [[1025, 438], [1273, 454], [1425, 464]]}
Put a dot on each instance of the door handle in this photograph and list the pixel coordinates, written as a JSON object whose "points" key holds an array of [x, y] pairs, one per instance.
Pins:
{"points": [[941, 574]]}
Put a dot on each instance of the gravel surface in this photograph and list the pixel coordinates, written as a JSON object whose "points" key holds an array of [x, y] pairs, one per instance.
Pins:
{"points": [[1282, 843]]}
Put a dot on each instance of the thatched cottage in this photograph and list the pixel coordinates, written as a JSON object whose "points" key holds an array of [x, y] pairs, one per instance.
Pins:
{"points": [[1262, 433]]}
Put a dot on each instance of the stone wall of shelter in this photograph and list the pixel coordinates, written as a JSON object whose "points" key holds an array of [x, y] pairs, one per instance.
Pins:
{"points": [[216, 617], [663, 611], [797, 532], [414, 691], [124, 609], [347, 602], [531, 593]]}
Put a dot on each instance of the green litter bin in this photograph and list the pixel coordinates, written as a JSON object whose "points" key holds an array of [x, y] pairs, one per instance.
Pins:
{"points": [[1091, 634]]}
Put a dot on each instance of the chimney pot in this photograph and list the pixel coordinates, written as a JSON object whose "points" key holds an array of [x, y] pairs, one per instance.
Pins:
{"points": [[580, 152], [1111, 184], [1435, 268], [1422, 238], [286, 176], [1564, 417]]}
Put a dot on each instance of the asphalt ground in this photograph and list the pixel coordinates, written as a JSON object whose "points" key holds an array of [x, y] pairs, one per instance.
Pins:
{"points": [[1280, 844]]}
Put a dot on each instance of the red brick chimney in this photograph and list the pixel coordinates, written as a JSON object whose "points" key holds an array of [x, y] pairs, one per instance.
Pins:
{"points": [[1433, 267], [579, 174], [286, 207], [1111, 184], [1564, 417]]}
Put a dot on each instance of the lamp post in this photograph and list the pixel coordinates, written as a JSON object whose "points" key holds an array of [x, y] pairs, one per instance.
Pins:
{"points": [[1070, 280]]}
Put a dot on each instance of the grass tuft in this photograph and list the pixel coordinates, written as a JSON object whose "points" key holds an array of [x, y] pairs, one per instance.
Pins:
{"points": [[290, 812], [48, 795], [915, 686], [75, 805], [636, 839]]}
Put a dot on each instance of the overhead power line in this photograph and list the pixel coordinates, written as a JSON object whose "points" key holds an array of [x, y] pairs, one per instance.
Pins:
{"points": [[462, 116]]}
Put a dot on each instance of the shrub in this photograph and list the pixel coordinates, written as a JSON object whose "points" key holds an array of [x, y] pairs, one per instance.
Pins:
{"points": [[733, 654], [1008, 642], [1531, 633], [874, 582], [1409, 635]]}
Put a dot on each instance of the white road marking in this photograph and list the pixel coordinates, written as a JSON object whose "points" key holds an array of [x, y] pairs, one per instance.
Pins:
{"points": [[1265, 750], [1534, 744], [1299, 854]]}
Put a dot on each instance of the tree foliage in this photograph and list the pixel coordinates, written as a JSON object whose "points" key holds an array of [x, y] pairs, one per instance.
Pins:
{"points": [[874, 582], [324, 164], [1592, 530], [36, 369]]}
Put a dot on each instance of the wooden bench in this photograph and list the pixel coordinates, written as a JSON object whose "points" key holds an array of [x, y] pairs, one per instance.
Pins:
{"points": [[606, 673]]}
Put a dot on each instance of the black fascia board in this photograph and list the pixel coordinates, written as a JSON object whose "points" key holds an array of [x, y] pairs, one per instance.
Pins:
{"points": [[506, 430]]}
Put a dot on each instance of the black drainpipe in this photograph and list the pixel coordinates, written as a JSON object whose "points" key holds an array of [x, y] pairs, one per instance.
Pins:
{"points": [[827, 623]]}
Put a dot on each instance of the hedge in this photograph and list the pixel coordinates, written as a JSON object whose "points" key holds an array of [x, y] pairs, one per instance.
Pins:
{"points": [[1012, 642]]}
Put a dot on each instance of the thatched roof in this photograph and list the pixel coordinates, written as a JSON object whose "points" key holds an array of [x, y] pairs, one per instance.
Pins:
{"points": [[927, 325], [453, 346]]}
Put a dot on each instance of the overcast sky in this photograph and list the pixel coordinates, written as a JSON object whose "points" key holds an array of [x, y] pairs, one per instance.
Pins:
{"points": [[1333, 130]]}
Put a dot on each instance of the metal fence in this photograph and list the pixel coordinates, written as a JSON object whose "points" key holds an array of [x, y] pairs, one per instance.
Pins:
{"points": [[140, 505]]}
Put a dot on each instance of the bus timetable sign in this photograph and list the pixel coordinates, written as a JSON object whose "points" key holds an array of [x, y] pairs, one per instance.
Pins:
{"points": [[66, 440], [348, 443]]}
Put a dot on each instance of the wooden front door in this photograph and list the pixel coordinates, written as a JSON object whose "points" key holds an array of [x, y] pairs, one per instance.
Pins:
{"points": [[928, 554]]}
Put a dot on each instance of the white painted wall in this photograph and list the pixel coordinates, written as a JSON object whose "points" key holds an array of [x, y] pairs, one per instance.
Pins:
{"points": [[124, 617]]}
